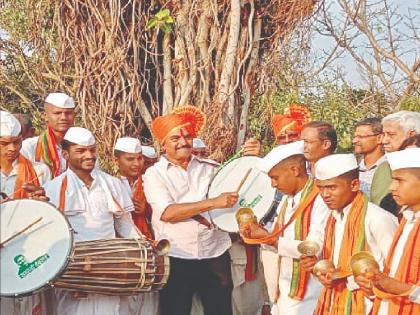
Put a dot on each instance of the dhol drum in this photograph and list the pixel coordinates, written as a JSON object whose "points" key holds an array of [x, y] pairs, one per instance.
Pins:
{"points": [[255, 193], [115, 267], [36, 244]]}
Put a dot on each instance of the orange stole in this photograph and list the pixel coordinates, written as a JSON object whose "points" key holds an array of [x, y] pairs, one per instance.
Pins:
{"points": [[408, 271], [339, 300], [25, 173], [302, 217], [141, 220]]}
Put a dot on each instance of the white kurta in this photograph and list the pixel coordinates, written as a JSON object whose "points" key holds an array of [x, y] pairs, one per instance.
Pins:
{"points": [[380, 227], [35, 304], [144, 303], [29, 151], [166, 184], [91, 214], [287, 250], [399, 251]]}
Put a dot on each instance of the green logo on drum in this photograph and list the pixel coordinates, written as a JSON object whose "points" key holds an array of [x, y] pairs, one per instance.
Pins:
{"points": [[252, 204], [25, 267]]}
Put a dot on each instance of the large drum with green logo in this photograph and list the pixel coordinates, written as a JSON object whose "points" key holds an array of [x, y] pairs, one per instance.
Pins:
{"points": [[36, 245], [255, 192]]}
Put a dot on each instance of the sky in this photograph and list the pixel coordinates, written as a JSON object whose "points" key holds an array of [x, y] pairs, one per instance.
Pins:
{"points": [[347, 64]]}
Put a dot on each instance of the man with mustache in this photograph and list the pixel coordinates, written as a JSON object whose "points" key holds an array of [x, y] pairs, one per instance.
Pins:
{"points": [[176, 188], [59, 113], [374, 171], [397, 287], [399, 126], [20, 178], [97, 207], [354, 225]]}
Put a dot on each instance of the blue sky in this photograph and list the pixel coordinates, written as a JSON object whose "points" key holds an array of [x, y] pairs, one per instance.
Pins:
{"points": [[347, 64]]}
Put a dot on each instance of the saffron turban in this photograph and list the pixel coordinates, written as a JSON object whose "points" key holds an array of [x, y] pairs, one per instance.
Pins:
{"points": [[295, 117], [189, 117]]}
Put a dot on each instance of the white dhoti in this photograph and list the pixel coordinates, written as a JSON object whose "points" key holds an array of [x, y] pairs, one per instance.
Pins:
{"points": [[93, 304]]}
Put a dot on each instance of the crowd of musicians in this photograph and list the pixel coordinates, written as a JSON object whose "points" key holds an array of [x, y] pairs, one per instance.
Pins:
{"points": [[345, 205]]}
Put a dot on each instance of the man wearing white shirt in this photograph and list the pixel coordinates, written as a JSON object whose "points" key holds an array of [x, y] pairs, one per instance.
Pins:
{"points": [[176, 188], [301, 216], [397, 288], [59, 112], [20, 178], [97, 207], [129, 158], [354, 225]]}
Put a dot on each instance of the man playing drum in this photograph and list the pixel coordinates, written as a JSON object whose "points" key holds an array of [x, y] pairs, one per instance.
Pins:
{"points": [[20, 178], [97, 207], [354, 225], [129, 158], [301, 216], [176, 188], [59, 115]]}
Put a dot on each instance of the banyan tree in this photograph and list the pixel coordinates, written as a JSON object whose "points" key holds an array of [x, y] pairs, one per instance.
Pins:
{"points": [[127, 61]]}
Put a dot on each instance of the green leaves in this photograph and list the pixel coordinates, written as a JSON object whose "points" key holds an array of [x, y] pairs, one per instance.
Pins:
{"points": [[162, 20]]}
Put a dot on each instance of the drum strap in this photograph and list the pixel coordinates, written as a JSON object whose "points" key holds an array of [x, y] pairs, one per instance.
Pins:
{"points": [[202, 220]]}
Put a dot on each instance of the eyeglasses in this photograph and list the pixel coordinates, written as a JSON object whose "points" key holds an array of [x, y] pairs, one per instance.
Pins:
{"points": [[365, 137]]}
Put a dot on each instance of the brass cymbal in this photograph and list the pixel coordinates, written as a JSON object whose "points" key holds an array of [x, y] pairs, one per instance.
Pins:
{"points": [[245, 215], [363, 262], [308, 248], [323, 266]]}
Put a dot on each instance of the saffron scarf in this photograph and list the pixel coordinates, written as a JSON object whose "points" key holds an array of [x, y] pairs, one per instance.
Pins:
{"points": [[302, 216], [142, 220], [25, 174], [46, 148], [408, 271], [339, 300]]}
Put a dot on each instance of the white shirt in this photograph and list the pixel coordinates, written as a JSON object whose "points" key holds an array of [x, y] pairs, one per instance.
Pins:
{"points": [[380, 227], [88, 209], [29, 151], [399, 251], [166, 184], [287, 250], [8, 182]]}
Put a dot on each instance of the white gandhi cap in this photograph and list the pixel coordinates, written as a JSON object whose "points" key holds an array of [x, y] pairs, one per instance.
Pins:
{"points": [[279, 154], [335, 165], [148, 151], [60, 100], [80, 136], [408, 158], [198, 143], [10, 126], [128, 145]]}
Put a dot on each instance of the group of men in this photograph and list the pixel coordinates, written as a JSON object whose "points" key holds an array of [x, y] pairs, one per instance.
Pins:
{"points": [[343, 205]]}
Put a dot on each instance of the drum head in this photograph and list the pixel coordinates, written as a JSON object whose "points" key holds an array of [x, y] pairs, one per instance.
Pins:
{"points": [[256, 192], [38, 255]]}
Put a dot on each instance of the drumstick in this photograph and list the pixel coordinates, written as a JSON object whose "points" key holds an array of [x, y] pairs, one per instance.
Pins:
{"points": [[20, 232], [243, 180]]}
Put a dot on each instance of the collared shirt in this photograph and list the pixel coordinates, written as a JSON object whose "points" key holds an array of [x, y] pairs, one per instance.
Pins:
{"points": [[380, 227], [166, 184], [366, 175], [90, 215], [8, 182], [29, 151], [411, 218], [287, 250]]}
